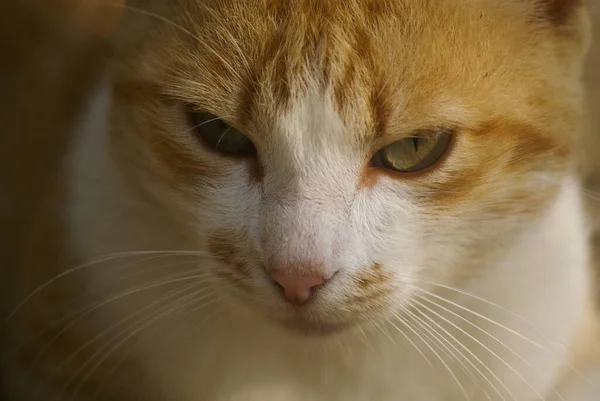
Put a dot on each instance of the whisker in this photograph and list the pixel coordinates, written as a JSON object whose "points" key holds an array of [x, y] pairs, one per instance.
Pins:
{"points": [[163, 267], [521, 336], [509, 366], [591, 194], [204, 122], [549, 351], [365, 337], [410, 327], [376, 329], [472, 355], [152, 15], [516, 354], [346, 354], [109, 329], [222, 136], [426, 330], [105, 332], [97, 306], [403, 321], [179, 304], [383, 331], [87, 307], [197, 308], [91, 264], [118, 364]]}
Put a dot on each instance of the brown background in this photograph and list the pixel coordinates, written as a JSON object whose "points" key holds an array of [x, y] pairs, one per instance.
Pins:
{"points": [[50, 53], [591, 153]]}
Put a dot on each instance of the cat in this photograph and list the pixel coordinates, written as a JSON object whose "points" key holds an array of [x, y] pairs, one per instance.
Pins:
{"points": [[347, 200]]}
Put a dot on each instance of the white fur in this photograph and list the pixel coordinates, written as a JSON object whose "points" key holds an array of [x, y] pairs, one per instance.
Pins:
{"points": [[310, 210]]}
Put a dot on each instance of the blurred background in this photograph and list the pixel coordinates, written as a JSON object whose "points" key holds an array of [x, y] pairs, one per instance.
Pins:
{"points": [[590, 159], [51, 51]]}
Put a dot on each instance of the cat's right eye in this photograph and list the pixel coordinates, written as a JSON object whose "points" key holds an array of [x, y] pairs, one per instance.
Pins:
{"points": [[221, 136]]}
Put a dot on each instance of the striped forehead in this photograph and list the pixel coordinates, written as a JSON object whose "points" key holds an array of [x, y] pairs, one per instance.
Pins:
{"points": [[338, 81], [375, 66], [260, 66]]}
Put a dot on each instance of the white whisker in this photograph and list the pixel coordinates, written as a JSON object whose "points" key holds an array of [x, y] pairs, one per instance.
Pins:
{"points": [[410, 327], [96, 338], [365, 337], [383, 331], [485, 332], [222, 136], [590, 194], [426, 331], [204, 122], [91, 264], [509, 366], [472, 354], [549, 350], [114, 326], [403, 321], [87, 307], [118, 364], [116, 343], [521, 336], [89, 310], [152, 15]]}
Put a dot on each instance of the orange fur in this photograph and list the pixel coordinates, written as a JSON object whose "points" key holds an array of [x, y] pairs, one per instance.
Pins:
{"points": [[245, 64]]}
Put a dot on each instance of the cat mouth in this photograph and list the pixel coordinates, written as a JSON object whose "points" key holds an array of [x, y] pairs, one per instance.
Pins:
{"points": [[312, 328]]}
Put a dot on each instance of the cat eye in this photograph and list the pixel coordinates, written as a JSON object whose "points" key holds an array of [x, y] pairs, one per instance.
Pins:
{"points": [[221, 136], [414, 153]]}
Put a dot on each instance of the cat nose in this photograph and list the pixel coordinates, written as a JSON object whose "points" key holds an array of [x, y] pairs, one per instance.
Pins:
{"points": [[297, 288]]}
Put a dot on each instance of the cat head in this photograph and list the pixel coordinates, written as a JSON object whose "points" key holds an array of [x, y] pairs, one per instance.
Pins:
{"points": [[334, 157]]}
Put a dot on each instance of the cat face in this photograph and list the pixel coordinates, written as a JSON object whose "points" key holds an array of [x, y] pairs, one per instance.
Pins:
{"points": [[335, 157]]}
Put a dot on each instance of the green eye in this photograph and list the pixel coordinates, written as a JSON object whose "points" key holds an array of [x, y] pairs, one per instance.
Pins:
{"points": [[221, 136], [413, 154]]}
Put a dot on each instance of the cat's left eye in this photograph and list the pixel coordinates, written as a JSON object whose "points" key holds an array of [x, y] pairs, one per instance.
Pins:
{"points": [[221, 136], [413, 154]]}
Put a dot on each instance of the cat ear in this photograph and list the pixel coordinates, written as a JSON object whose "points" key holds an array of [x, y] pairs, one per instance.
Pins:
{"points": [[558, 12]]}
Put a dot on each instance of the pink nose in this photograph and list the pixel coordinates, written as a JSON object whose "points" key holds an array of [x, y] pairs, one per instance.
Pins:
{"points": [[297, 288]]}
